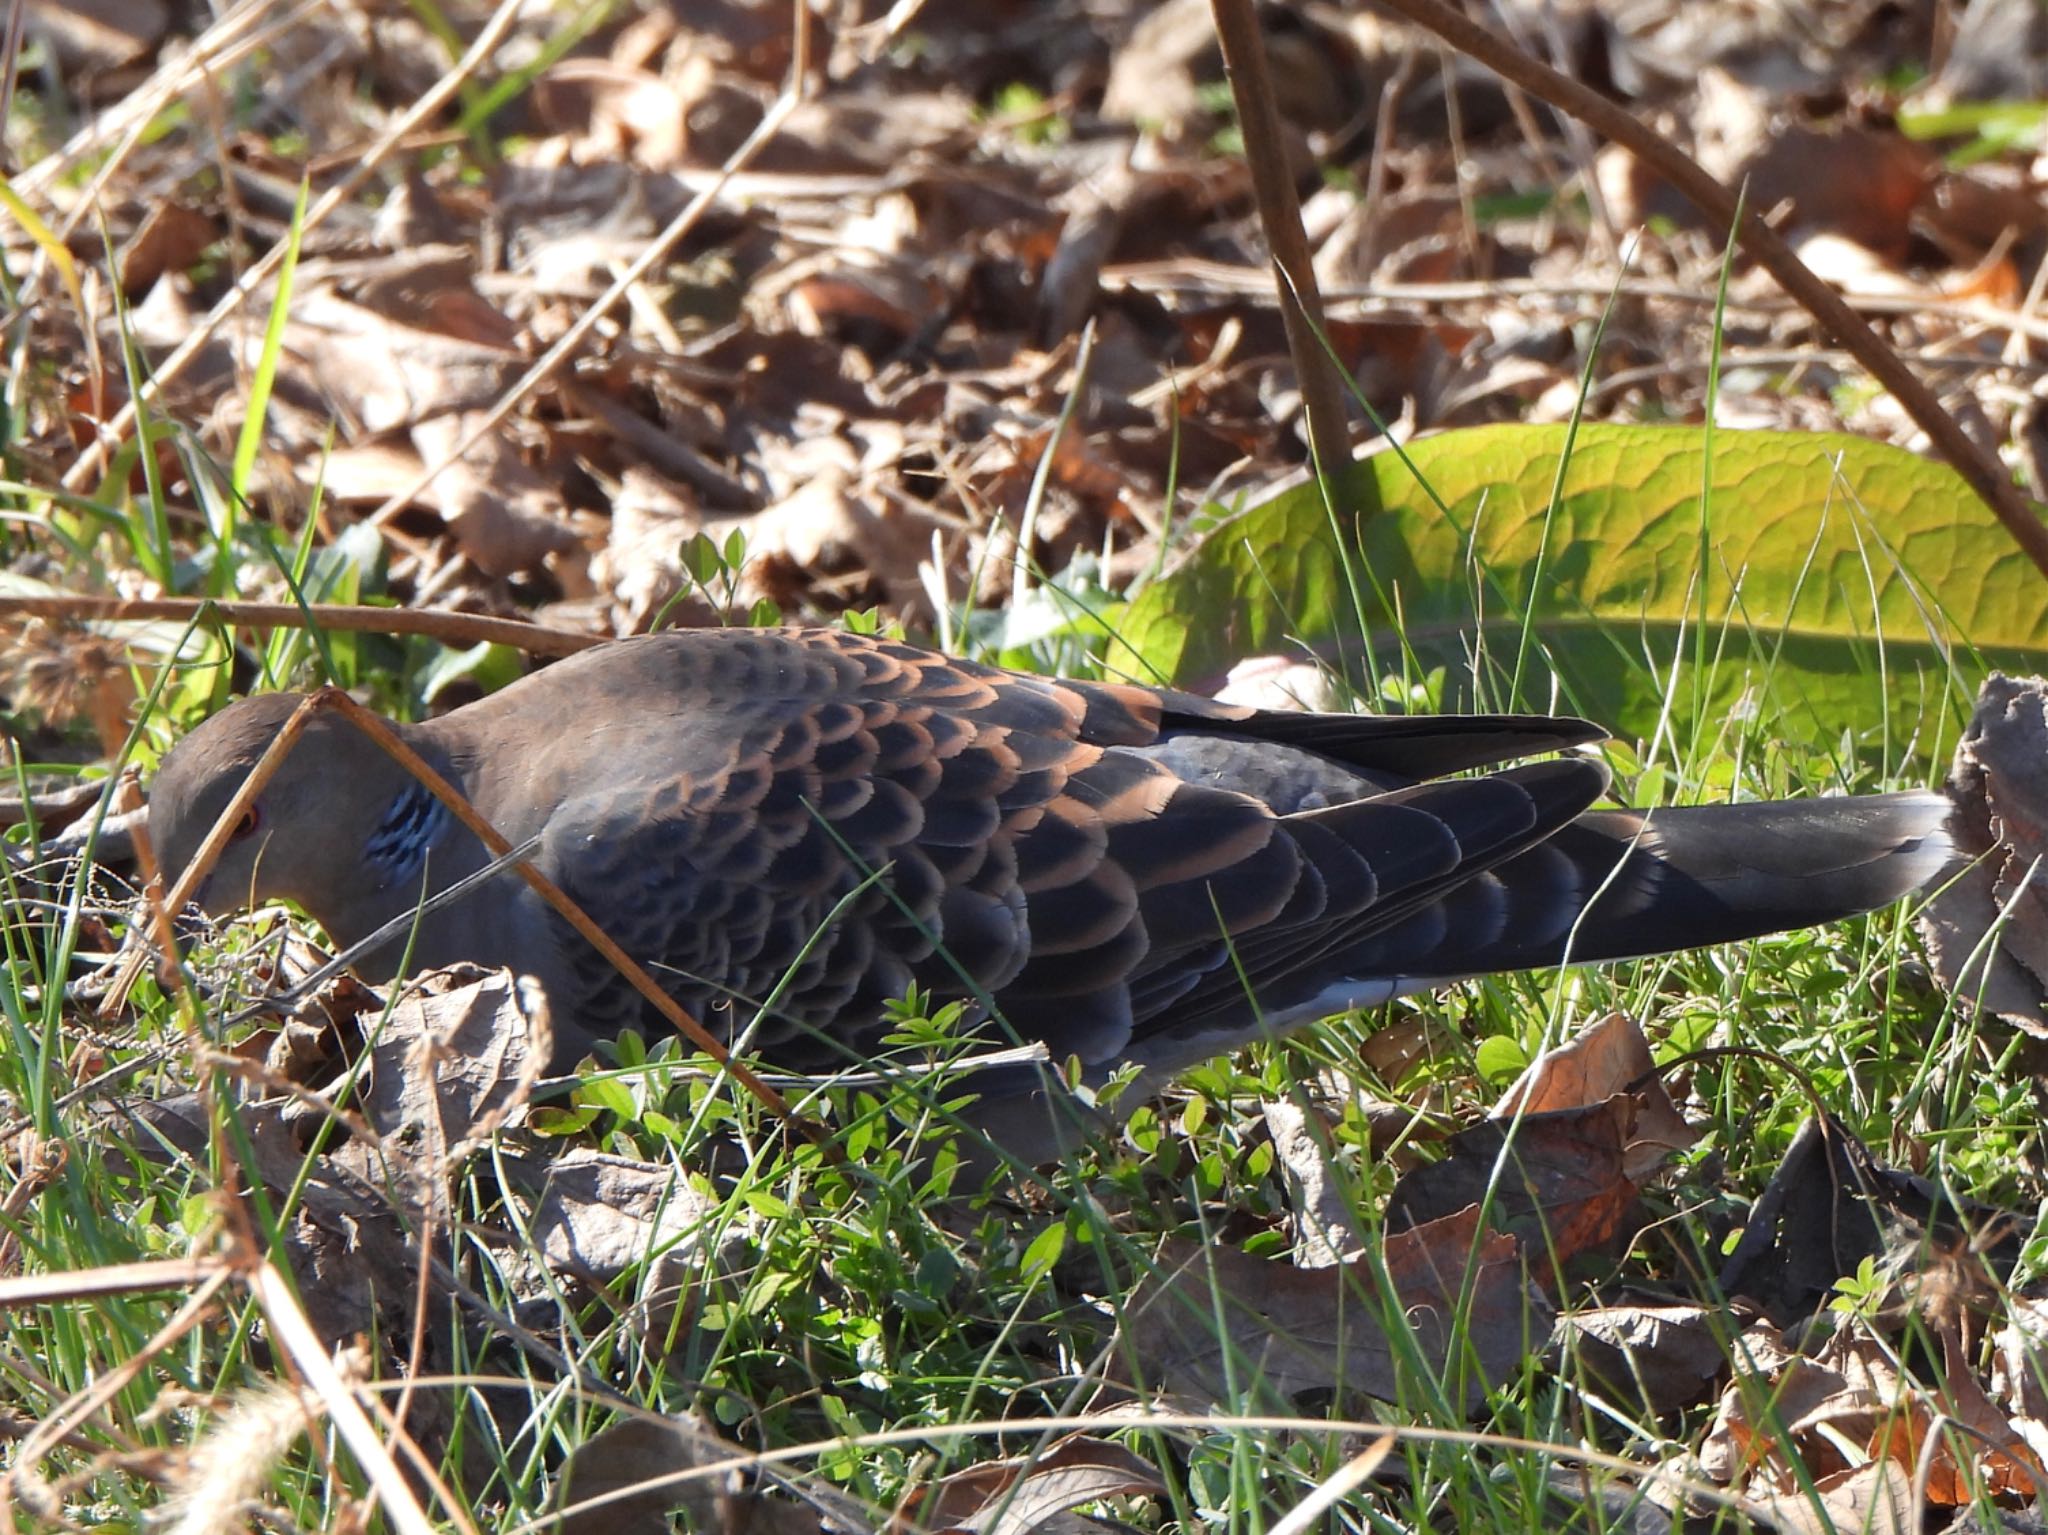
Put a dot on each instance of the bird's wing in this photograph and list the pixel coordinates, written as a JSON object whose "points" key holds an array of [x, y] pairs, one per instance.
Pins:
{"points": [[874, 814]]}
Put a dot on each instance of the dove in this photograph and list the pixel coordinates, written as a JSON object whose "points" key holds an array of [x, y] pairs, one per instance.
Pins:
{"points": [[792, 828]]}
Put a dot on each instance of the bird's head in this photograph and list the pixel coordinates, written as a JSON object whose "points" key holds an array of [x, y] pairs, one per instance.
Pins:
{"points": [[303, 837]]}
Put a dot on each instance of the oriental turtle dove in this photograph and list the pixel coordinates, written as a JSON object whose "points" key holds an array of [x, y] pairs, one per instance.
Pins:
{"points": [[791, 827]]}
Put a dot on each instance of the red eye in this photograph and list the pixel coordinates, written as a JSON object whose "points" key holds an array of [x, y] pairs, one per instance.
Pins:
{"points": [[251, 819]]}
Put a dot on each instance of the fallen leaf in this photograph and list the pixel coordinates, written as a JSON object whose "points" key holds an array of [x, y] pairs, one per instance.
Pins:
{"points": [[1021, 1495], [1987, 924], [455, 1059], [94, 36], [627, 1479], [1323, 1226], [1663, 1356], [1555, 1180], [170, 238], [1813, 1224], [1216, 1325], [1608, 1056]]}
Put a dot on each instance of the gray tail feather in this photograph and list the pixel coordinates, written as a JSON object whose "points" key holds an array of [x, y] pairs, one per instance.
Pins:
{"points": [[1621, 884]]}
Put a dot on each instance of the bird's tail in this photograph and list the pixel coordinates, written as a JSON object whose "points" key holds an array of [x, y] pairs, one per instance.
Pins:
{"points": [[1620, 884]]}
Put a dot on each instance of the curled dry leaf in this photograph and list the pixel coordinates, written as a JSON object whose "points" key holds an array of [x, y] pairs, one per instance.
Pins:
{"points": [[1608, 1056], [453, 1061], [1585, 1125], [456, 1059], [1987, 925], [1025, 1494], [832, 533], [1555, 1180]]}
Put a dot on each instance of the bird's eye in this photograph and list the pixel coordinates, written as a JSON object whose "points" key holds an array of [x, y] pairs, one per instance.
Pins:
{"points": [[251, 819]]}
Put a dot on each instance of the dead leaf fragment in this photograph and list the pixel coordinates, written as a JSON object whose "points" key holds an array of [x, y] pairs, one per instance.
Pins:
{"points": [[171, 236], [456, 1058], [1847, 1412], [1024, 1494], [505, 515], [92, 36], [597, 1214], [1324, 1233], [1987, 925]]}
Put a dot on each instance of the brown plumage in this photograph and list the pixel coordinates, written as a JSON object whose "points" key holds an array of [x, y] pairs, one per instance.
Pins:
{"points": [[796, 825]]}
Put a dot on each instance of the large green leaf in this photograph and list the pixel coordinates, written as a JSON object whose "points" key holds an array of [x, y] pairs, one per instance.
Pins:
{"points": [[1861, 587]]}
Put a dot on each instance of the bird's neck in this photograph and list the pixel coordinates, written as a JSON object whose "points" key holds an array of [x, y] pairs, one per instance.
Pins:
{"points": [[413, 822], [411, 846]]}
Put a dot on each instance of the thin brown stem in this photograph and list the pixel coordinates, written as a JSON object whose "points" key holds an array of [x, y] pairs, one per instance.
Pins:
{"points": [[454, 628], [1265, 153]]}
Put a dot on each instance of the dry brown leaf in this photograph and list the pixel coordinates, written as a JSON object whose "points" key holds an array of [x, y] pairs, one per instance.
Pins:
{"points": [[1608, 1056], [2001, 1458], [505, 515], [1876, 1499], [1212, 1324], [1805, 1394], [1159, 71], [1663, 1356], [1999, 785], [848, 132], [616, 111], [627, 1479], [829, 538], [1395, 1050], [383, 374], [599, 1214], [1861, 183], [1563, 1190], [1814, 1223], [171, 236], [93, 36], [455, 1059], [1021, 1495], [1849, 1409]]}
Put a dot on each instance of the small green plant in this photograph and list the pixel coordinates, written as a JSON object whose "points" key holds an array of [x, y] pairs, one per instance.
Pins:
{"points": [[713, 571]]}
